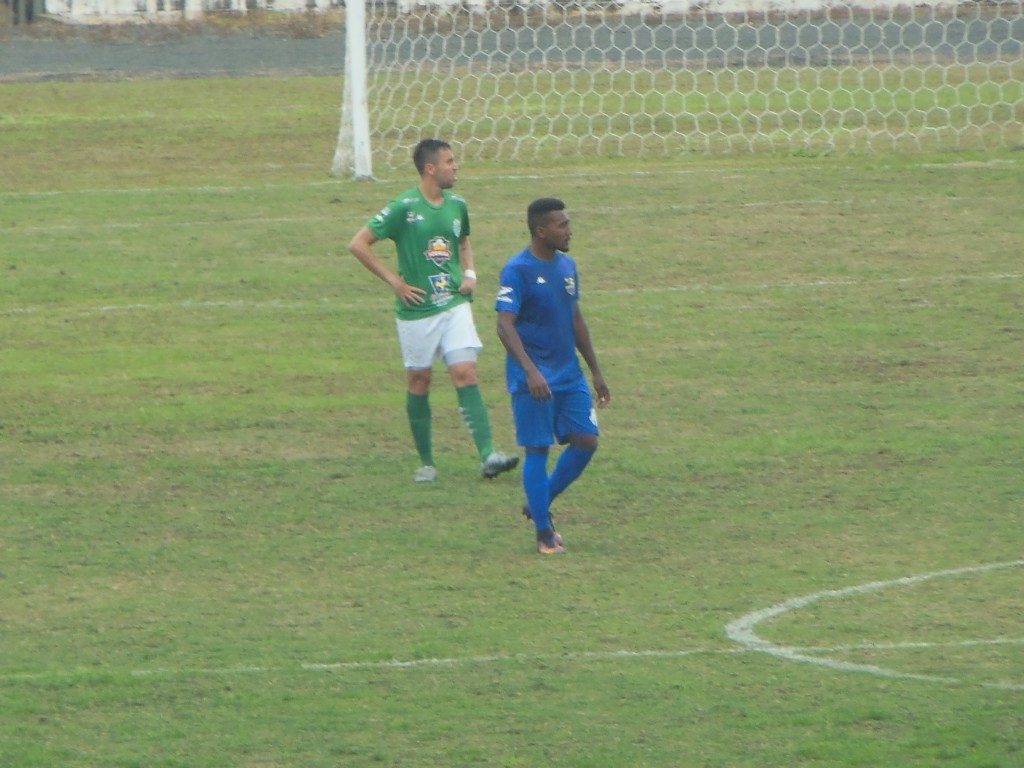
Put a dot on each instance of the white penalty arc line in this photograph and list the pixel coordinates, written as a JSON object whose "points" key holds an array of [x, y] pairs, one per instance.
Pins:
{"points": [[743, 629]]}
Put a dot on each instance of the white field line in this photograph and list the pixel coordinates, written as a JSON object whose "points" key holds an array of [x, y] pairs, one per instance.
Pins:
{"points": [[491, 660], [228, 190], [114, 226], [799, 284], [370, 299], [201, 189], [742, 630], [736, 171], [149, 225]]}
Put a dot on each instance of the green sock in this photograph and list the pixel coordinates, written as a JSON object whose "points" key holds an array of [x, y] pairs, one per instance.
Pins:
{"points": [[418, 408], [474, 413]]}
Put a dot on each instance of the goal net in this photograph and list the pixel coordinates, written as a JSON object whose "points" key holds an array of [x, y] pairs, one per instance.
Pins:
{"points": [[521, 80]]}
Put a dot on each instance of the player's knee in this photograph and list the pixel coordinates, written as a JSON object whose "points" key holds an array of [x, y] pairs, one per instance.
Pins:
{"points": [[584, 442], [463, 374], [418, 380]]}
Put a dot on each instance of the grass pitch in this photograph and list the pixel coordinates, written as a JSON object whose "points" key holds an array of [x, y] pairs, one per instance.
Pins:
{"points": [[213, 553]]}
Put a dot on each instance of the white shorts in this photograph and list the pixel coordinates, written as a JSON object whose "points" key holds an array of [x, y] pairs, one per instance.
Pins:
{"points": [[450, 335]]}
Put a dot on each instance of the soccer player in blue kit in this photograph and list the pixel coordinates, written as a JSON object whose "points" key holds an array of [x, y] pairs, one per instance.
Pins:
{"points": [[541, 327]]}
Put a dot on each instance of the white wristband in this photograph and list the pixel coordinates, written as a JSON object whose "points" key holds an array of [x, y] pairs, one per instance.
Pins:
{"points": [[469, 273]]}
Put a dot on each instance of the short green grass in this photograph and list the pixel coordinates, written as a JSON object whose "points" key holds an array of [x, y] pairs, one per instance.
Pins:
{"points": [[213, 553]]}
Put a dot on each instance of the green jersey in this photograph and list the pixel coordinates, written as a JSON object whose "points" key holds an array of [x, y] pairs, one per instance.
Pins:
{"points": [[427, 239]]}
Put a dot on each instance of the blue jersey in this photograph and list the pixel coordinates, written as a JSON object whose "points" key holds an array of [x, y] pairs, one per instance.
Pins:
{"points": [[542, 295]]}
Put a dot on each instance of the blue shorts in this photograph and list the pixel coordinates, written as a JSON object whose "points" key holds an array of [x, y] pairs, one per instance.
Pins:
{"points": [[539, 423]]}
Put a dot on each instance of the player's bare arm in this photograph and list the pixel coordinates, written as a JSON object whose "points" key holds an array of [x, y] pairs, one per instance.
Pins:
{"points": [[361, 247], [512, 342], [468, 284], [586, 349]]}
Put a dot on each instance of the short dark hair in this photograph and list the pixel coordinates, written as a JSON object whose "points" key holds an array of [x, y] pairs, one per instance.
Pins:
{"points": [[426, 152], [538, 210]]}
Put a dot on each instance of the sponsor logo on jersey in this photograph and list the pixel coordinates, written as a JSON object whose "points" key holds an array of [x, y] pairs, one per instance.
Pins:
{"points": [[570, 286], [505, 294], [439, 251], [442, 288]]}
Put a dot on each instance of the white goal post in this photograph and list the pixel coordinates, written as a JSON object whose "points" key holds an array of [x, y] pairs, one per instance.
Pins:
{"points": [[521, 80]]}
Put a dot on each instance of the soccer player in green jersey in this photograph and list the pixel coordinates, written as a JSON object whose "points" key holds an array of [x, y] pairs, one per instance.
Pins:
{"points": [[433, 287]]}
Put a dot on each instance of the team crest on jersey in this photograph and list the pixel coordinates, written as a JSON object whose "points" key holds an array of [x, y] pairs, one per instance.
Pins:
{"points": [[457, 228], [439, 251], [570, 286]]}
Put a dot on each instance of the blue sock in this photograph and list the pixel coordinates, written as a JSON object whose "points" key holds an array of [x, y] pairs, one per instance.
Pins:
{"points": [[535, 483], [570, 465]]}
